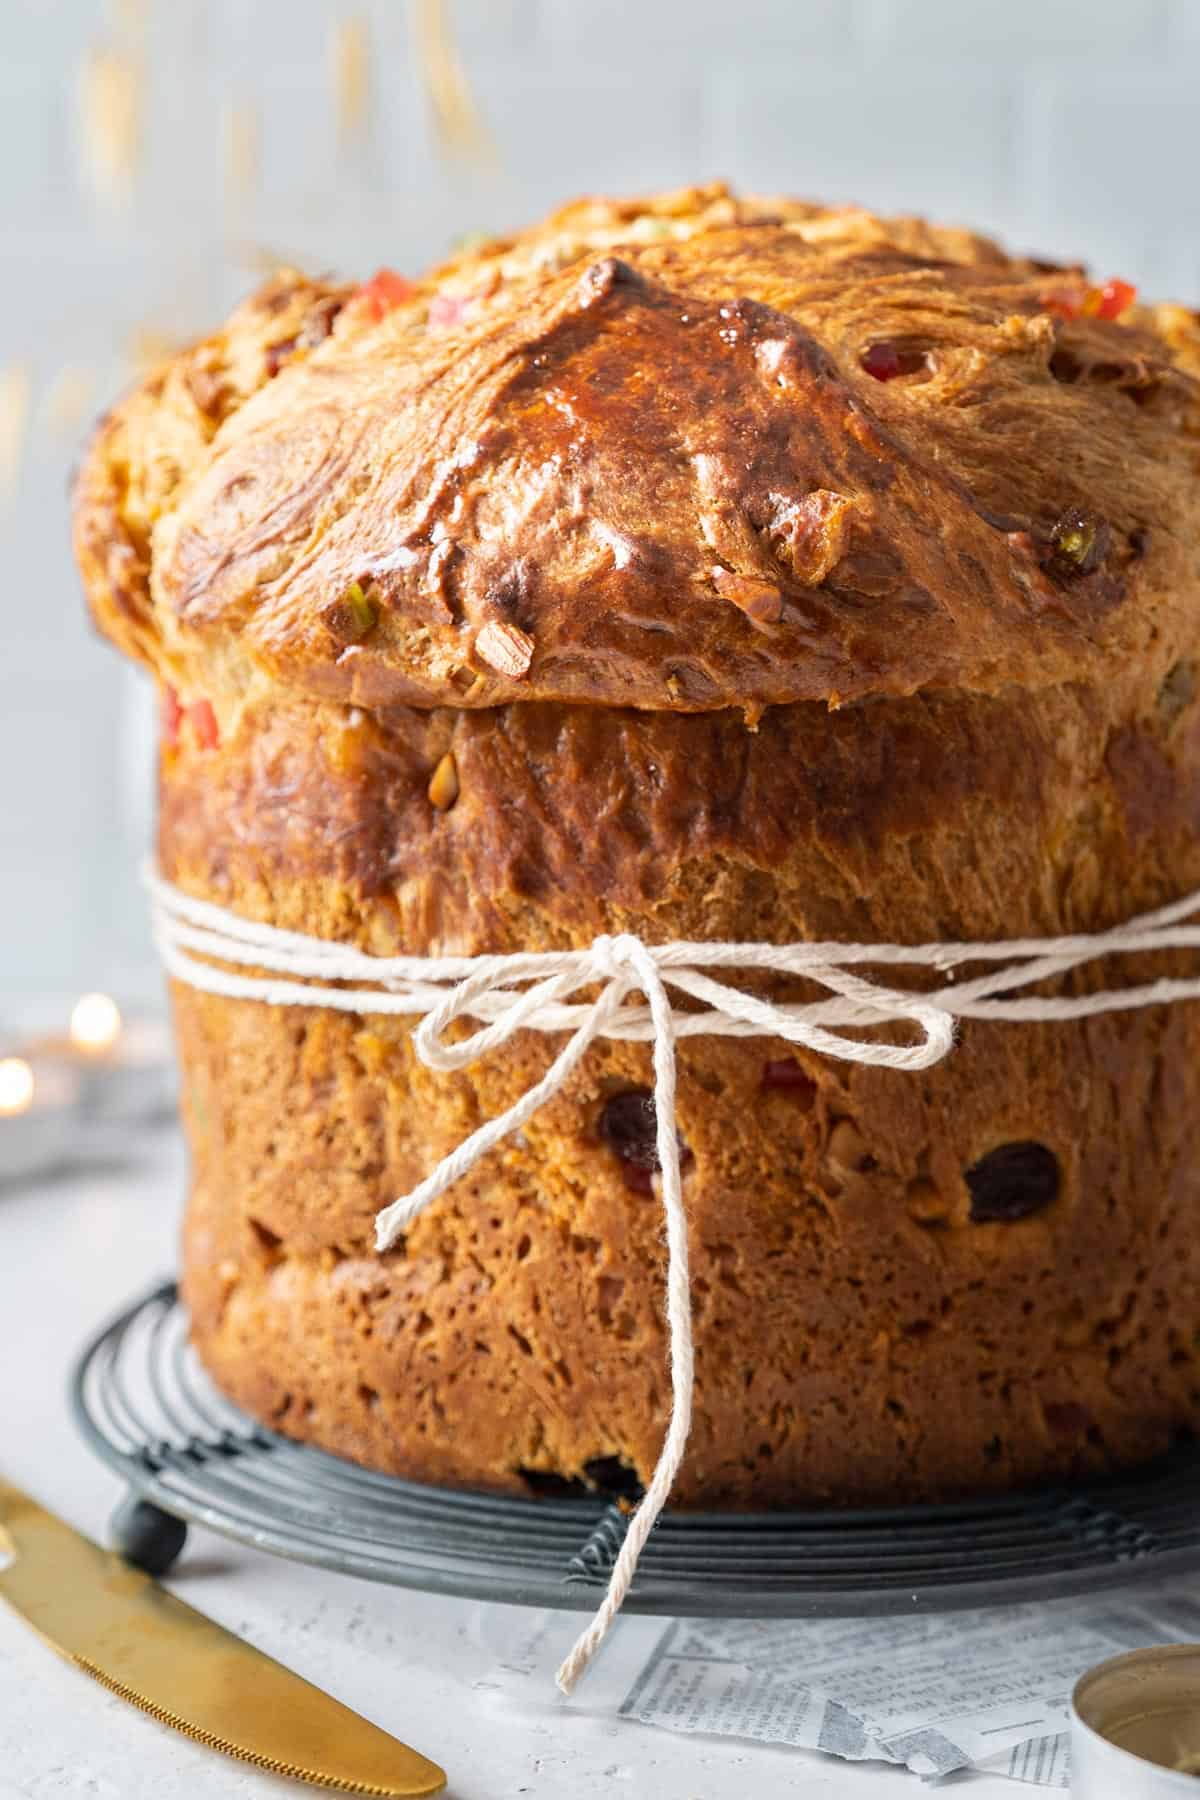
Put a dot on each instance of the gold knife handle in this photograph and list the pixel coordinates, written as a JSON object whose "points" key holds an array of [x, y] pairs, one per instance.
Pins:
{"points": [[13, 1501], [12, 1504], [123, 1629], [22, 1520]]}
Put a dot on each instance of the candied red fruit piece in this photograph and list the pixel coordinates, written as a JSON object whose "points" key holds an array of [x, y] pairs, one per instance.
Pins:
{"points": [[885, 361], [204, 724], [1064, 303], [1107, 301], [446, 310], [385, 290], [787, 1077], [882, 361]]}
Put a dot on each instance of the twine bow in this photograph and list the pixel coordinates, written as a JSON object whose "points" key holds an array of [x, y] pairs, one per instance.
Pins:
{"points": [[540, 992]]}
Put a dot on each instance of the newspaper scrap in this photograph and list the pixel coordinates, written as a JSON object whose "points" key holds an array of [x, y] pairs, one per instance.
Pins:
{"points": [[935, 1693]]}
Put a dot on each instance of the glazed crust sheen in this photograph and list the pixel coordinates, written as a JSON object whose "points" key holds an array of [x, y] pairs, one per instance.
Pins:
{"points": [[801, 659], [616, 457]]}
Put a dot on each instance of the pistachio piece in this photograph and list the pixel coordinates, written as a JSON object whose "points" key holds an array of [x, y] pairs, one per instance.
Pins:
{"points": [[1078, 544], [350, 617]]}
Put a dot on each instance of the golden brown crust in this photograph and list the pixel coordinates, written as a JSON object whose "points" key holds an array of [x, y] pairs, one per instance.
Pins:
{"points": [[666, 470], [601, 586], [153, 442], [860, 1334], [1008, 816]]}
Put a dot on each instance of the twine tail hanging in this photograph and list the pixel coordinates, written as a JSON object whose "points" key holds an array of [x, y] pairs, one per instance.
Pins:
{"points": [[537, 991], [679, 1327], [622, 963]]}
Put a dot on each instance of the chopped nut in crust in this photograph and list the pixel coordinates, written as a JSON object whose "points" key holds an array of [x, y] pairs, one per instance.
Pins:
{"points": [[443, 783], [810, 535], [351, 617], [761, 601], [505, 648]]}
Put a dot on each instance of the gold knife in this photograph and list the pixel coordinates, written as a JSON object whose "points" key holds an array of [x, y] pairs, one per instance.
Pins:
{"points": [[121, 1627]]}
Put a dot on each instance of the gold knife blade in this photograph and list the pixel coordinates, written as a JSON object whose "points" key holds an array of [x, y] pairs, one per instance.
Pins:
{"points": [[123, 1629]]}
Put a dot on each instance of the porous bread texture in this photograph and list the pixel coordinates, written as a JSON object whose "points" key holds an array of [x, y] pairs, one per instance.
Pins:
{"points": [[861, 1334], [682, 623]]}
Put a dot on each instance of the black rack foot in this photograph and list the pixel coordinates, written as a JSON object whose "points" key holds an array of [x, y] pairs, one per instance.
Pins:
{"points": [[146, 1536]]}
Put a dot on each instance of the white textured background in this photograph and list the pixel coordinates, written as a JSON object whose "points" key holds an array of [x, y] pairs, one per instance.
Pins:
{"points": [[1068, 127]]}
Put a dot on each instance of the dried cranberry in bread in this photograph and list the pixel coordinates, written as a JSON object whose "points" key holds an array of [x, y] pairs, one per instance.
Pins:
{"points": [[700, 567]]}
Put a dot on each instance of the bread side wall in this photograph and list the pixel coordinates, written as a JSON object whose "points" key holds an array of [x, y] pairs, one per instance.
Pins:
{"points": [[867, 1324]]}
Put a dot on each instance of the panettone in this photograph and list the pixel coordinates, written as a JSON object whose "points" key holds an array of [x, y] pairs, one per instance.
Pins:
{"points": [[708, 569]]}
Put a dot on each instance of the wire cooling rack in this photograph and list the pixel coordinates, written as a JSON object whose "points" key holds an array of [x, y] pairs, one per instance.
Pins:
{"points": [[186, 1454]]}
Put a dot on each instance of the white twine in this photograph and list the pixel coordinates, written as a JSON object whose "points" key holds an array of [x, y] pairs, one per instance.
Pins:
{"points": [[534, 992]]}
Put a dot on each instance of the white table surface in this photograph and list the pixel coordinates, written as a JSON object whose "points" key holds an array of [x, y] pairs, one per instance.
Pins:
{"points": [[72, 1250]]}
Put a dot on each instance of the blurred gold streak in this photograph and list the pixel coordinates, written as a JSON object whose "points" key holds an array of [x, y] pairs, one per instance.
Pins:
{"points": [[68, 398], [350, 69], [16, 387], [459, 122], [110, 118], [239, 151]]}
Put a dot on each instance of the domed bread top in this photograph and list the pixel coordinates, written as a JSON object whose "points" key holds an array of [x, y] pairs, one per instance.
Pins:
{"points": [[681, 454]]}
